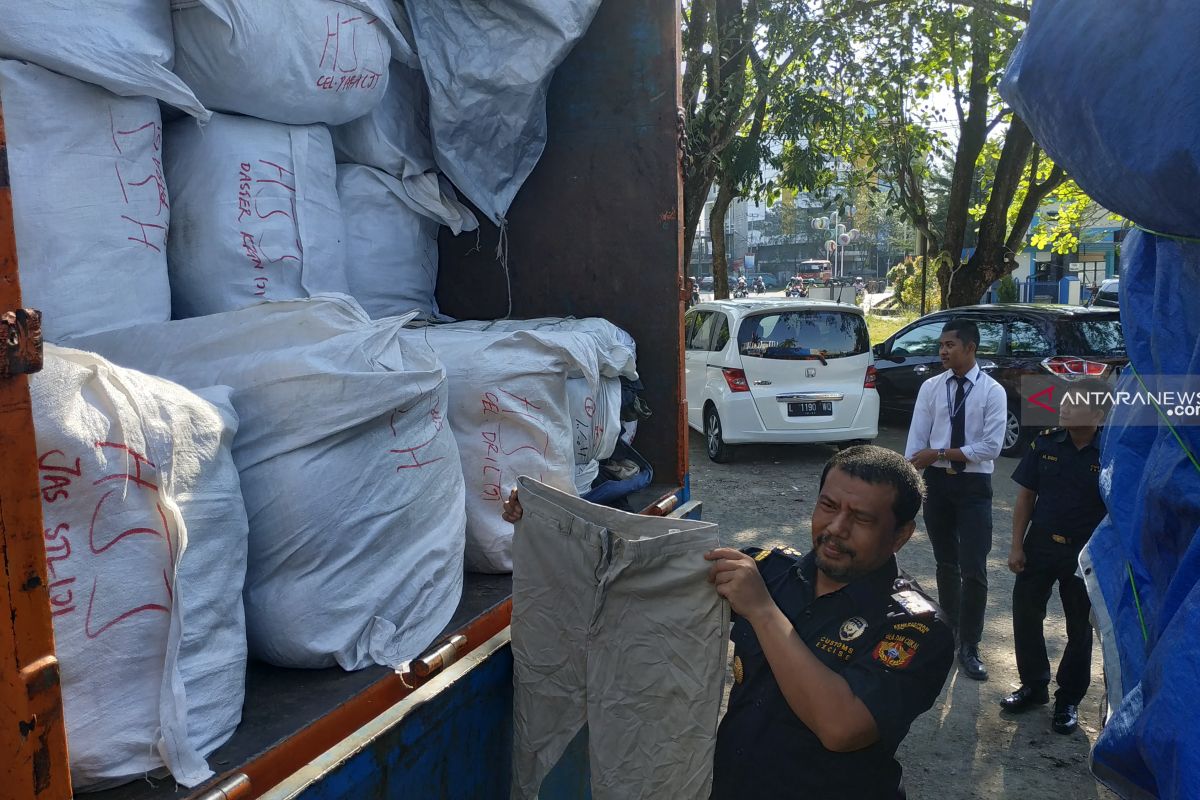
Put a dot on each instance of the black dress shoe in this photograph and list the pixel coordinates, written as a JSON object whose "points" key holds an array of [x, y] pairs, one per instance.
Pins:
{"points": [[1025, 698], [1066, 718], [968, 657]]}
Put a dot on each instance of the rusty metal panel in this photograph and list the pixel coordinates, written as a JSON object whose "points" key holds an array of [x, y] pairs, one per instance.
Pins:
{"points": [[596, 230], [33, 737]]}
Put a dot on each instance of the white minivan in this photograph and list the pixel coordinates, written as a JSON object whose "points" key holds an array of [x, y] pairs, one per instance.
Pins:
{"points": [[779, 371]]}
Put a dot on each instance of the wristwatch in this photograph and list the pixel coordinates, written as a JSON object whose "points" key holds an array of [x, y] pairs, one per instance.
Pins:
{"points": [[942, 454]]}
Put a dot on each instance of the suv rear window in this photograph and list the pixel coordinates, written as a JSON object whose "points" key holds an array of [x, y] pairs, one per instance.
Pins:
{"points": [[1099, 337], [803, 334]]}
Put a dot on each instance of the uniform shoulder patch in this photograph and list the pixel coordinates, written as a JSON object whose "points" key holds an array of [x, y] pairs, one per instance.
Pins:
{"points": [[761, 555], [914, 603]]}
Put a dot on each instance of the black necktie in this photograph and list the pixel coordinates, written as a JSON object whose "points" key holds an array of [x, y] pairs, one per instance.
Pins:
{"points": [[958, 421]]}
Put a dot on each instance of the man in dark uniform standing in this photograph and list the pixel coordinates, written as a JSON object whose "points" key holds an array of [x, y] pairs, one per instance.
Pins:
{"points": [[836, 652], [1058, 507]]}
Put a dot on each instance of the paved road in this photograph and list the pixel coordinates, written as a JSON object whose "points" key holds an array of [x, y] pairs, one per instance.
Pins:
{"points": [[962, 747]]}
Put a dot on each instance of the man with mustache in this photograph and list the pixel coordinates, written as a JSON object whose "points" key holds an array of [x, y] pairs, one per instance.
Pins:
{"points": [[836, 652]]}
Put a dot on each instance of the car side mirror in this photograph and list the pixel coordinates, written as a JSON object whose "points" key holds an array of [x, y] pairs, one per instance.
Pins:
{"points": [[878, 350]]}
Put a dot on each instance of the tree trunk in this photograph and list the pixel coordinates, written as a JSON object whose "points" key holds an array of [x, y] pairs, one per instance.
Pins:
{"points": [[716, 227], [972, 137], [696, 186]]}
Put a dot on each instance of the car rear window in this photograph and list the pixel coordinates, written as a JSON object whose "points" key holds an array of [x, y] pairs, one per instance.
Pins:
{"points": [[1101, 337], [803, 334]]}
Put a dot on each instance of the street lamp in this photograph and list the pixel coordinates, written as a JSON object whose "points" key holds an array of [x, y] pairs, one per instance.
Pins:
{"points": [[839, 238]]}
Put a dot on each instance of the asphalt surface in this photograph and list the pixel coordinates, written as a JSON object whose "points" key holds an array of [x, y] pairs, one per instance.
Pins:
{"points": [[963, 747]]}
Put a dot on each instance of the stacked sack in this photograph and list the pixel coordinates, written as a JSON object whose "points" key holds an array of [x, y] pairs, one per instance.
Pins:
{"points": [[395, 201], [349, 471], [510, 409], [90, 204], [145, 536], [595, 413]]}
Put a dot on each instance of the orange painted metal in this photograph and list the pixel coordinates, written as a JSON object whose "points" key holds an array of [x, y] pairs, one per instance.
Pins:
{"points": [[283, 760], [33, 738]]}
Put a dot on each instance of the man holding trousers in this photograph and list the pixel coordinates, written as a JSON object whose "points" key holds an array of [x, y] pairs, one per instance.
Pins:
{"points": [[956, 434]]}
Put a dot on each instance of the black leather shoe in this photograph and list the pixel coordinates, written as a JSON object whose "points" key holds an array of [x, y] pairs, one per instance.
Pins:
{"points": [[1025, 698], [1066, 718], [972, 664]]}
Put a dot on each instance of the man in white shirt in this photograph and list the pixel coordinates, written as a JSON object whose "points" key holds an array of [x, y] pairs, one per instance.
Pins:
{"points": [[956, 434]]}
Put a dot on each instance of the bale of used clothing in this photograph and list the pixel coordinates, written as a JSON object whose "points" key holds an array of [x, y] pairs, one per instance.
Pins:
{"points": [[510, 409], [146, 537], [299, 62], [125, 46], [257, 214], [90, 205], [349, 469]]}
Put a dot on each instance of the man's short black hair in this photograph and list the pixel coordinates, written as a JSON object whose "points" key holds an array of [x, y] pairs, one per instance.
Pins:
{"points": [[877, 465], [966, 330]]}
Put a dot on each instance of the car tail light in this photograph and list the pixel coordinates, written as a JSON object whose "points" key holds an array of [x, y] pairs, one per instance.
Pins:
{"points": [[736, 378], [1073, 368], [869, 381]]}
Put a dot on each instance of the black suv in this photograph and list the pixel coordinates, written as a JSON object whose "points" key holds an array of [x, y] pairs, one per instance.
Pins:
{"points": [[1014, 340]]}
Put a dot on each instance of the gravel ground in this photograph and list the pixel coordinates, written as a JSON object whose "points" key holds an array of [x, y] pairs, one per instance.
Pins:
{"points": [[962, 747]]}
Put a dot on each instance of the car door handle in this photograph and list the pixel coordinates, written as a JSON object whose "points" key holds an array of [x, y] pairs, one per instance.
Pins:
{"points": [[920, 369]]}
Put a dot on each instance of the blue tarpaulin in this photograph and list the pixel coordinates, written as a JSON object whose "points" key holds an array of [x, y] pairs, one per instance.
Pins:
{"points": [[1143, 563], [1111, 91]]}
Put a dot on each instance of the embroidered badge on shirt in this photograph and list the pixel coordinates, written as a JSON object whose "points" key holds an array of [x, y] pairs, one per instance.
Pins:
{"points": [[852, 629], [761, 555], [894, 653], [738, 671]]}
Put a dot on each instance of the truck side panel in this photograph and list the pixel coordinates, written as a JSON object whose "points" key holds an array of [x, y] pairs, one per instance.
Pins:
{"points": [[596, 229]]}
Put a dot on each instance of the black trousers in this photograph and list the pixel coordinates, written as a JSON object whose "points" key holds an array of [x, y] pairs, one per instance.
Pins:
{"points": [[1048, 562], [958, 518]]}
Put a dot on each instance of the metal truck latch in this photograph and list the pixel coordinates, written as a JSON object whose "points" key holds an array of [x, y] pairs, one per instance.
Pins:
{"points": [[20, 342]]}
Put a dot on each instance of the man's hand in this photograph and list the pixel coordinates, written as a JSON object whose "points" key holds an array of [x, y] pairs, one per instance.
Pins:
{"points": [[512, 507], [736, 577], [923, 458], [1016, 559]]}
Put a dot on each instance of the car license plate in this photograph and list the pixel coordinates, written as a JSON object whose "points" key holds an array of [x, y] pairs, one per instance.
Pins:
{"points": [[818, 409]]}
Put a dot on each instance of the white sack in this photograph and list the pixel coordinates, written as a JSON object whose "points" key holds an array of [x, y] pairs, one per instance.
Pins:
{"points": [[90, 205], [510, 411], [394, 138], [391, 250], [123, 45], [146, 558], [257, 214], [298, 62], [595, 412], [488, 66], [585, 474], [350, 474], [596, 417], [616, 349]]}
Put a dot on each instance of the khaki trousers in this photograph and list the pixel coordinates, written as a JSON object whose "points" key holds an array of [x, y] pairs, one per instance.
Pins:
{"points": [[615, 625]]}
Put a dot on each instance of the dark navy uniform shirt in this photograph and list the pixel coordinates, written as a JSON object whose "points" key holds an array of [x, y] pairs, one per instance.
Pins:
{"points": [[1067, 482], [881, 633]]}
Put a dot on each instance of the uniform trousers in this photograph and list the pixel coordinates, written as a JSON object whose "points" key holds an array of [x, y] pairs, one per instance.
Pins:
{"points": [[615, 625], [1048, 562]]}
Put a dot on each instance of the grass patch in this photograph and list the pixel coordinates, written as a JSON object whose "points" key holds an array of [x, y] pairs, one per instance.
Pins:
{"points": [[881, 328]]}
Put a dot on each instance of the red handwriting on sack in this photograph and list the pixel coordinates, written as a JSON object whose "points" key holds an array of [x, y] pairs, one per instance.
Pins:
{"points": [[511, 424], [342, 67], [421, 455], [56, 478], [137, 488], [266, 190], [58, 548], [147, 176]]}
